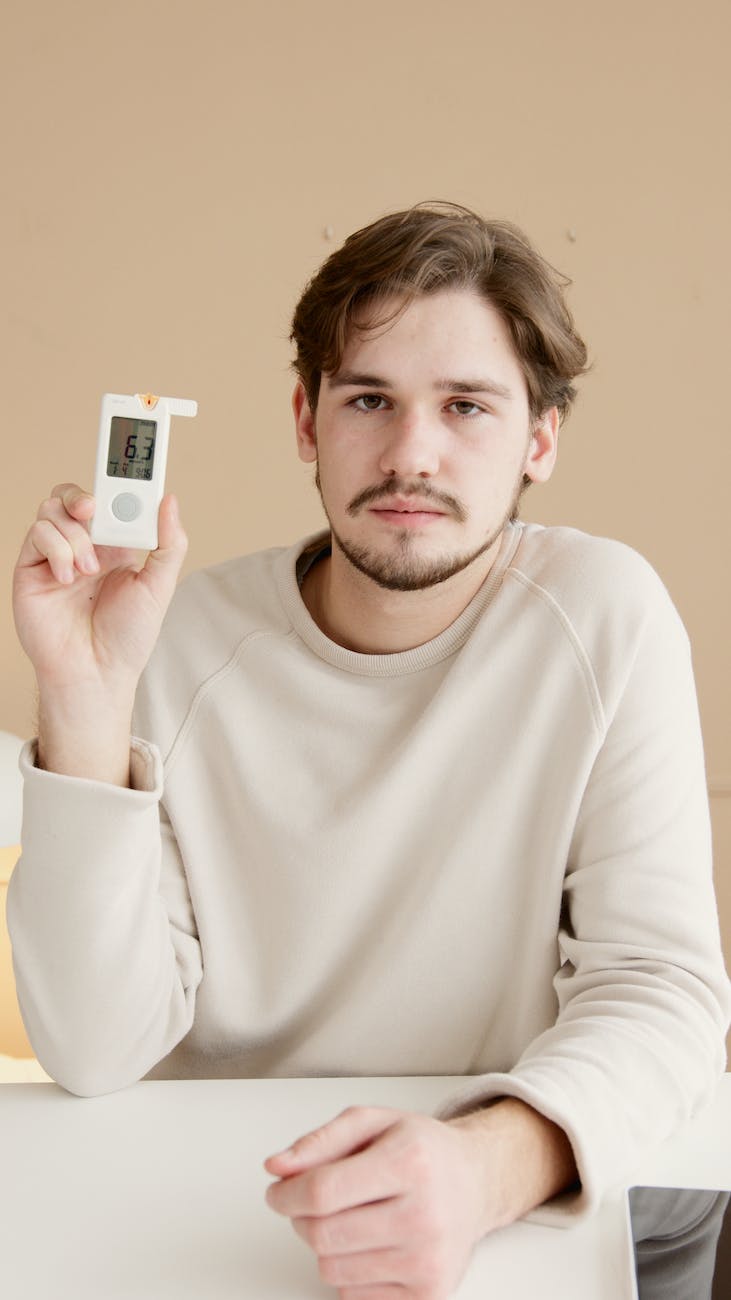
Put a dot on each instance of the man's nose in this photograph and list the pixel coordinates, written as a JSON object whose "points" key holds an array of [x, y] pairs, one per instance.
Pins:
{"points": [[411, 446]]}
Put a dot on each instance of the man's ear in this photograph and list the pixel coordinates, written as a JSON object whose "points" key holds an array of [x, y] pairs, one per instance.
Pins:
{"points": [[304, 422], [543, 448]]}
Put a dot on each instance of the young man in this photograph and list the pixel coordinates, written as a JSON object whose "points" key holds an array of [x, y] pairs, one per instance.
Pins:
{"points": [[422, 794]]}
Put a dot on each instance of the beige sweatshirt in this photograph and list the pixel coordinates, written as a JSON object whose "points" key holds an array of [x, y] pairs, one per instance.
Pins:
{"points": [[489, 855]]}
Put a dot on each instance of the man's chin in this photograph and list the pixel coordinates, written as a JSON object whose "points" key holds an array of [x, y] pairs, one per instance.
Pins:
{"points": [[407, 572]]}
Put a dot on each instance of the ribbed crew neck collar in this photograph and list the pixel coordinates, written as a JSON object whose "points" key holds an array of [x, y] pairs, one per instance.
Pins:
{"points": [[406, 661]]}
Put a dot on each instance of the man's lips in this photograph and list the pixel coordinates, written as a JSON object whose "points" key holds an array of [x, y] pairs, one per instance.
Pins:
{"points": [[406, 506], [392, 501], [408, 513]]}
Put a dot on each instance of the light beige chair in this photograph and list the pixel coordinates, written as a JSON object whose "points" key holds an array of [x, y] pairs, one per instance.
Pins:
{"points": [[13, 1039], [17, 1063]]}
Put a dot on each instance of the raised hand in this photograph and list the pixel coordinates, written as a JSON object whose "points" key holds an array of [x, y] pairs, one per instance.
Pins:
{"points": [[88, 619]]}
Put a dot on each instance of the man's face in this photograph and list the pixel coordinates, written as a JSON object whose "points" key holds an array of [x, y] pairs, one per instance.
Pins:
{"points": [[422, 438]]}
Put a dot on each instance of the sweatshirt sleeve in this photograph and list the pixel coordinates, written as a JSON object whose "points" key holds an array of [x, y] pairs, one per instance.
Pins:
{"points": [[642, 994], [111, 990]]}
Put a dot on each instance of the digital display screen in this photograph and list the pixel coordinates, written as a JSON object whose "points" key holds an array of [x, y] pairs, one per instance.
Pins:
{"points": [[131, 448]]}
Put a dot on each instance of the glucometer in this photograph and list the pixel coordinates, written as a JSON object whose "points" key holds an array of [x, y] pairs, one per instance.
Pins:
{"points": [[131, 457]]}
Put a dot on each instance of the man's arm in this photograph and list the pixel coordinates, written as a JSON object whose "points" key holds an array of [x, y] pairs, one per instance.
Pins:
{"points": [[105, 952], [398, 1201]]}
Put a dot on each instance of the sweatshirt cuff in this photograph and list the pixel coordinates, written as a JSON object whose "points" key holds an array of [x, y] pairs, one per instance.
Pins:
{"points": [[567, 1207], [145, 766], [71, 823]]}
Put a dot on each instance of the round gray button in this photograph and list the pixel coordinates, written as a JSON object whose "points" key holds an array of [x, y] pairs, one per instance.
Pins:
{"points": [[126, 506]]}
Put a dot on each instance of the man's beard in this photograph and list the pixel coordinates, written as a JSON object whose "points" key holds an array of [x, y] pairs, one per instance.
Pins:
{"points": [[402, 570]]}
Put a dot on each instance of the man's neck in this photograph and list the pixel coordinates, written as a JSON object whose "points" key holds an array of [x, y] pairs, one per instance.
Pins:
{"points": [[356, 613]]}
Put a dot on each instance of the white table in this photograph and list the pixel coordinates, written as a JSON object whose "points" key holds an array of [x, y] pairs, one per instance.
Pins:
{"points": [[157, 1192]]}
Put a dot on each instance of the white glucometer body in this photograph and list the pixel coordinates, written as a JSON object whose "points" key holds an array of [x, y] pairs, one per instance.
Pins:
{"points": [[131, 458]]}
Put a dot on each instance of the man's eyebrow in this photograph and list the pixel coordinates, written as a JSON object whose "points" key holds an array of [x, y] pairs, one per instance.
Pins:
{"points": [[355, 379], [482, 385]]}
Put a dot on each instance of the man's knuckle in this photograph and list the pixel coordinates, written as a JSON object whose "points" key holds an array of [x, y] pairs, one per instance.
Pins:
{"points": [[315, 1200], [310, 1141], [411, 1219], [48, 540], [427, 1263], [354, 1114], [321, 1192], [38, 530], [318, 1235], [328, 1268], [432, 1223], [419, 1161]]}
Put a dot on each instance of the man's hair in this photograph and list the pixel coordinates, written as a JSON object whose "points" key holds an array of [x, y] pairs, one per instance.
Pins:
{"points": [[424, 249]]}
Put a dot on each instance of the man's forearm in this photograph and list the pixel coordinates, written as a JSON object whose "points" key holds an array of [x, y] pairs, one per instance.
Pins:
{"points": [[526, 1159]]}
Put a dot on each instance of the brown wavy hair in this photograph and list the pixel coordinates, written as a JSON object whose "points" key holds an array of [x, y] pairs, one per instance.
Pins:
{"points": [[421, 250]]}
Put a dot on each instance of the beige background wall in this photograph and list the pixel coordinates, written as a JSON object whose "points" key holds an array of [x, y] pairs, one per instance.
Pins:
{"points": [[171, 170]]}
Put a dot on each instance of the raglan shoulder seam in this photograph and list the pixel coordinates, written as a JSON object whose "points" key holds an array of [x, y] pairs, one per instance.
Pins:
{"points": [[574, 640], [209, 683]]}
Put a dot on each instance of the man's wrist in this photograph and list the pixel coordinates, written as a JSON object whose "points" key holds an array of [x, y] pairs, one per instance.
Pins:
{"points": [[523, 1158], [85, 734]]}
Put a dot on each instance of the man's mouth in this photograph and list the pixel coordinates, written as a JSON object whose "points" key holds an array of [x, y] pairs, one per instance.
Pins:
{"points": [[393, 503], [409, 512], [408, 505]]}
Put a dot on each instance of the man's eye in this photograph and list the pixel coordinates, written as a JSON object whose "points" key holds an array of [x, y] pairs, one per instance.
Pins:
{"points": [[370, 401], [471, 408]]}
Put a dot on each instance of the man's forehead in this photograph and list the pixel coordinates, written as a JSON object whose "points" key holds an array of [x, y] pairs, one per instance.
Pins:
{"points": [[455, 318], [383, 310], [467, 345]]}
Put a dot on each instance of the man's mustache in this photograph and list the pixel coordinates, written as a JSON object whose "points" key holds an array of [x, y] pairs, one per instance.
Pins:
{"points": [[396, 487]]}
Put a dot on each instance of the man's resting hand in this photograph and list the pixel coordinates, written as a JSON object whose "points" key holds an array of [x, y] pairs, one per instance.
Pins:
{"points": [[393, 1203]]}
